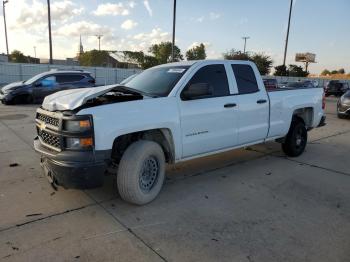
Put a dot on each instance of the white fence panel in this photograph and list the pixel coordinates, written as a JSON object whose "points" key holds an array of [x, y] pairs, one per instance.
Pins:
{"points": [[12, 72]]}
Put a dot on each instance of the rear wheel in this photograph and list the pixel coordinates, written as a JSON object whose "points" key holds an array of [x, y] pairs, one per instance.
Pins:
{"points": [[296, 139], [141, 172]]}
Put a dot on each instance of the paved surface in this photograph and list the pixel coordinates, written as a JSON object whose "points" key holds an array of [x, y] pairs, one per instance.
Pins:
{"points": [[245, 205]]}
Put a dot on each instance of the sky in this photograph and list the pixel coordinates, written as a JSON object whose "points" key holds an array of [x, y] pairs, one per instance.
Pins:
{"points": [[317, 26]]}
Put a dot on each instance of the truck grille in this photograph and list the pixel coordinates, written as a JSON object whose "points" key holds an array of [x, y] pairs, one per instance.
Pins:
{"points": [[49, 139], [48, 119]]}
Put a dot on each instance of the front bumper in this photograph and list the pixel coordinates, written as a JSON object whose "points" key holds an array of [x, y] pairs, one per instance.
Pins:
{"points": [[343, 110], [5, 97], [73, 169]]}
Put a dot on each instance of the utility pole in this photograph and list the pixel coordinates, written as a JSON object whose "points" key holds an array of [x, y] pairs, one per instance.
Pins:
{"points": [[286, 45], [173, 43], [245, 42], [34, 51], [50, 39], [3, 10], [99, 41]]}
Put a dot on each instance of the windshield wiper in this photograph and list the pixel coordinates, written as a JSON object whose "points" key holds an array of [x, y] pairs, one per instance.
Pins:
{"points": [[135, 91]]}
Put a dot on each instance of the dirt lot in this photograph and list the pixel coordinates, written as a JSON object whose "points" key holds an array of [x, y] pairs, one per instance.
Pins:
{"points": [[246, 205]]}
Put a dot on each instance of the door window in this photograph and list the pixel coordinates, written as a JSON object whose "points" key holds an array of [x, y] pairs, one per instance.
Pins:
{"points": [[210, 78], [245, 78], [48, 82]]}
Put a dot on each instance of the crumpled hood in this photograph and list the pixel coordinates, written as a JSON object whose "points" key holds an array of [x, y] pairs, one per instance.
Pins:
{"points": [[12, 86], [71, 99]]}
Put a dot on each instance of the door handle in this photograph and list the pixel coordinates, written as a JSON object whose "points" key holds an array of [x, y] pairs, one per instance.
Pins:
{"points": [[261, 101], [230, 105]]}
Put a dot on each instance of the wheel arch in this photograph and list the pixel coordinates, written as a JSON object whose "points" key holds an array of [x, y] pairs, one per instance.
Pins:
{"points": [[162, 136]]}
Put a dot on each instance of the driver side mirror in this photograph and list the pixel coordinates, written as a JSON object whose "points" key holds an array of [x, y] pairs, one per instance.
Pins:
{"points": [[196, 91]]}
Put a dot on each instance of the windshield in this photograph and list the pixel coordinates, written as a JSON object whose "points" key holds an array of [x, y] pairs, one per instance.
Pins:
{"points": [[157, 81], [34, 78]]}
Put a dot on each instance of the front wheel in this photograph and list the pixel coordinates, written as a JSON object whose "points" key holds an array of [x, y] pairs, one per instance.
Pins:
{"points": [[141, 172], [296, 139]]}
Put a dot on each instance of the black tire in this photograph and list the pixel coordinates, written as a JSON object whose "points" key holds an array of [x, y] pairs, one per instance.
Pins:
{"points": [[141, 172], [296, 139]]}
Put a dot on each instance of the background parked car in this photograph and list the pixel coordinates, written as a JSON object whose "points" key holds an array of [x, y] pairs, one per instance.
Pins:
{"points": [[343, 106], [270, 83], [36, 88], [300, 84], [336, 88]]}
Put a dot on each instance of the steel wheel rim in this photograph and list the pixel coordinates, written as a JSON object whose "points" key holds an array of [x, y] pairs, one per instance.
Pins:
{"points": [[149, 174], [300, 138]]}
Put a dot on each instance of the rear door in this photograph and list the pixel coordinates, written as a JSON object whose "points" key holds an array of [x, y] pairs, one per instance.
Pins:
{"points": [[208, 123], [253, 105]]}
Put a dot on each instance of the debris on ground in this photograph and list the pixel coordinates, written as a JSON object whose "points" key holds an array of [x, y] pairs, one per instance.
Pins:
{"points": [[268, 174], [13, 164]]}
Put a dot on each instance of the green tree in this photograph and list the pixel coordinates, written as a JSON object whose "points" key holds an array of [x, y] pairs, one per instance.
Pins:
{"points": [[325, 72], [145, 61], [94, 58], [235, 55], [294, 70], [281, 70], [196, 53], [341, 71], [162, 52], [263, 62], [18, 57], [333, 72]]}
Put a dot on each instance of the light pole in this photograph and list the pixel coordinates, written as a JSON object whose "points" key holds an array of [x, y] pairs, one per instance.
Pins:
{"points": [[99, 41], [34, 51], [173, 43], [286, 45], [245, 38], [3, 10], [50, 39]]}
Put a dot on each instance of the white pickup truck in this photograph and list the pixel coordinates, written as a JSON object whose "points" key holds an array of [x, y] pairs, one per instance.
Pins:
{"points": [[167, 114]]}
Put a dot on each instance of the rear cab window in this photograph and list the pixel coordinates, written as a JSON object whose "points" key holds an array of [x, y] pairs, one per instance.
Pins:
{"points": [[245, 78]]}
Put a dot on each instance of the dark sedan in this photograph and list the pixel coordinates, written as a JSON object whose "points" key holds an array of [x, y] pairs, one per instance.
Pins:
{"points": [[343, 106], [36, 88]]}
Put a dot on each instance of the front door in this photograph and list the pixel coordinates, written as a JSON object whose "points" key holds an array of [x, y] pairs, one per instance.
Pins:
{"points": [[208, 122], [45, 86]]}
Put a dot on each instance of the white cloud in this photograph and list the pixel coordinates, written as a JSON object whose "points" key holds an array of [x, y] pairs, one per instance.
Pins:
{"points": [[143, 41], [194, 44], [131, 4], [200, 19], [128, 24], [214, 16], [111, 9], [148, 7], [23, 14], [84, 28]]}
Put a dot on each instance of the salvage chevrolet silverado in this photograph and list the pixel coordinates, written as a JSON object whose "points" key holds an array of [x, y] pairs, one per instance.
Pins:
{"points": [[167, 114]]}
